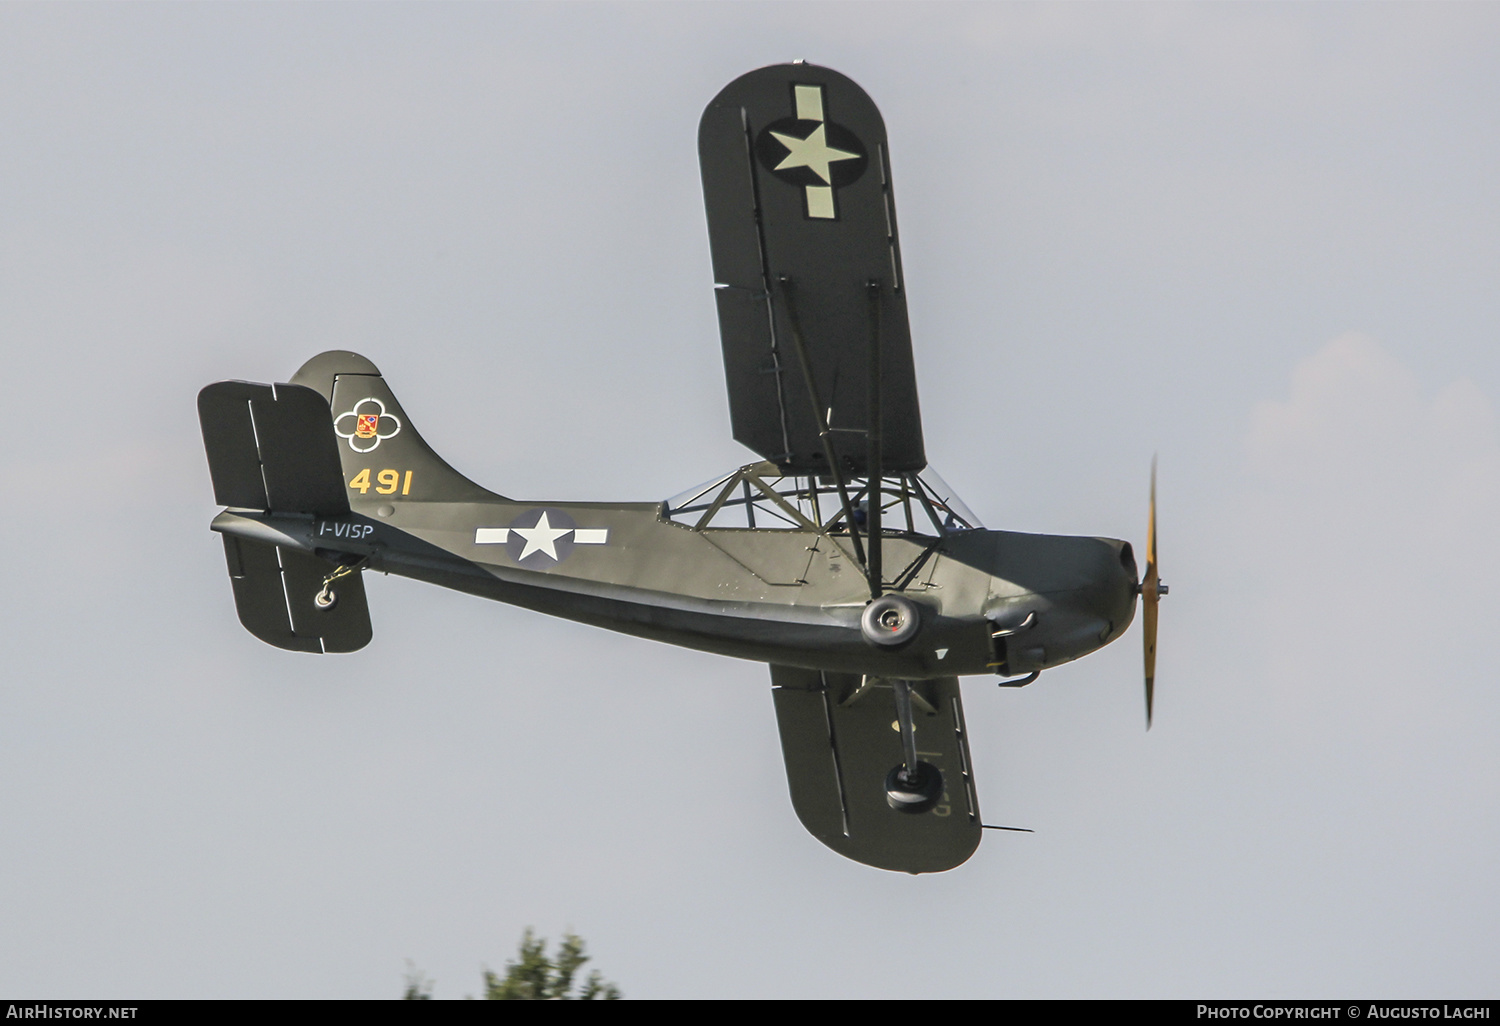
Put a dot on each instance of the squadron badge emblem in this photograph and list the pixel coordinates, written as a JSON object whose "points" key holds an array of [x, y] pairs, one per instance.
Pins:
{"points": [[366, 425]]}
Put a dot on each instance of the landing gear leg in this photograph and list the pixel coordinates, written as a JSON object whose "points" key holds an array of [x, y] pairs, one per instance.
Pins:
{"points": [[913, 786]]}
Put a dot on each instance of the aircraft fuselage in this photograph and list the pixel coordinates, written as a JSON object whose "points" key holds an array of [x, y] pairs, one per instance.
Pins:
{"points": [[790, 597]]}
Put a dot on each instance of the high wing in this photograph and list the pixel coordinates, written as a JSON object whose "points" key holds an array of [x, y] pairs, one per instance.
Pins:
{"points": [[838, 742], [812, 304]]}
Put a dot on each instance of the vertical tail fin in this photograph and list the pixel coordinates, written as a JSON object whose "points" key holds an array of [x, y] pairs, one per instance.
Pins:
{"points": [[333, 440], [384, 459]]}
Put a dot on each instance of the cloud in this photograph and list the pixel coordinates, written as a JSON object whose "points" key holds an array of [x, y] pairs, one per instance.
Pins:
{"points": [[1370, 527], [1361, 463]]}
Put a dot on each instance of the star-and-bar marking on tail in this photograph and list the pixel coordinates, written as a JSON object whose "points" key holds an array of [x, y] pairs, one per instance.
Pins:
{"points": [[813, 152], [541, 538]]}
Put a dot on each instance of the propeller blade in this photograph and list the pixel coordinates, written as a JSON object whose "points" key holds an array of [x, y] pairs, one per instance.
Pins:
{"points": [[1151, 591]]}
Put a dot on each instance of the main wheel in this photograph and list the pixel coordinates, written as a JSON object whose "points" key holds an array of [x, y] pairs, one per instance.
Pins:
{"points": [[917, 793], [890, 621]]}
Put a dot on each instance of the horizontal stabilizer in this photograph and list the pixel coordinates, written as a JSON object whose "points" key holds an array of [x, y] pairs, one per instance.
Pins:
{"points": [[274, 591], [271, 447], [840, 740]]}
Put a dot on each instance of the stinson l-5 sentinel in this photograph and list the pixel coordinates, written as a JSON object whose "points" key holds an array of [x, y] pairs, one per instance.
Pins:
{"points": [[838, 557]]}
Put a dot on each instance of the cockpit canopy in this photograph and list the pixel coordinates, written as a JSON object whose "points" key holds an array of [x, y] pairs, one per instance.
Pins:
{"points": [[758, 497]]}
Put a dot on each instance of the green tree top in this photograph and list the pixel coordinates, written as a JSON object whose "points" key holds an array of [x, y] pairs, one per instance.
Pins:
{"points": [[535, 977], [418, 986]]}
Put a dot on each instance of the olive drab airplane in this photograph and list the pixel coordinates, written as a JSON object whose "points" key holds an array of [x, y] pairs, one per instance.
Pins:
{"points": [[838, 557]]}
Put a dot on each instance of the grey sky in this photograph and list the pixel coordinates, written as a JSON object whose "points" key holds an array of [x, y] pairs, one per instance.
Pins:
{"points": [[1259, 239]]}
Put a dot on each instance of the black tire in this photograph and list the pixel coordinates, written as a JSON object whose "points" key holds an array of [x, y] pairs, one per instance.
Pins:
{"points": [[914, 796], [890, 621]]}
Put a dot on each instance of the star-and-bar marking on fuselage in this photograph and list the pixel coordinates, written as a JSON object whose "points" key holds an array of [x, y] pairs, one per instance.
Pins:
{"points": [[823, 164], [541, 538]]}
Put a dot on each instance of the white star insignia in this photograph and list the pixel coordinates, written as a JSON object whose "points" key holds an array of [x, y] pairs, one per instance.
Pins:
{"points": [[540, 538], [812, 152]]}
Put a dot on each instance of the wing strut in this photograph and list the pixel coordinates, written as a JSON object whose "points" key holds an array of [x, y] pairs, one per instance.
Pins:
{"points": [[867, 554], [876, 468], [785, 286]]}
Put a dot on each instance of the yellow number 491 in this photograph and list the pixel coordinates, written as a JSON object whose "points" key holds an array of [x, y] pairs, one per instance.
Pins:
{"points": [[388, 482]]}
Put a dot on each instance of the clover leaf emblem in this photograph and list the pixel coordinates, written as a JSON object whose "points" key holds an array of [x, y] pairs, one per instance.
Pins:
{"points": [[366, 425]]}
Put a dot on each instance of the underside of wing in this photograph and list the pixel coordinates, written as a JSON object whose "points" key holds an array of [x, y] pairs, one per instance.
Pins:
{"points": [[840, 741], [811, 300]]}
